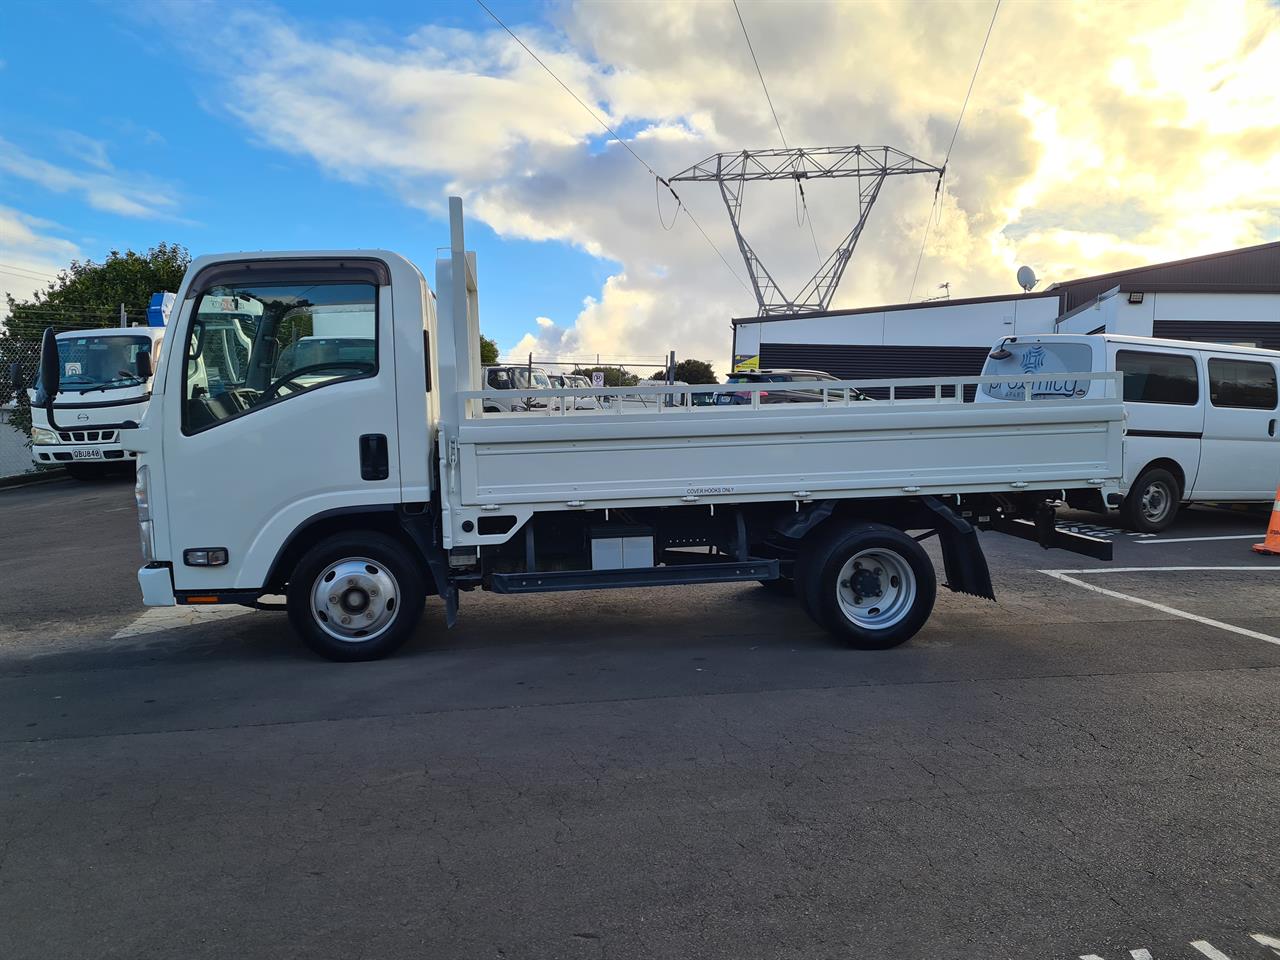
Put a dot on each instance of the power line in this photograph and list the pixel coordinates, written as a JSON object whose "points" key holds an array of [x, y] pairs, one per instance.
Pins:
{"points": [[614, 134], [777, 123], [760, 74], [937, 191], [25, 274]]}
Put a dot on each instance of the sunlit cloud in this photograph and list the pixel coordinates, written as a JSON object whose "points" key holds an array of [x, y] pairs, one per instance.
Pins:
{"points": [[1099, 136]]}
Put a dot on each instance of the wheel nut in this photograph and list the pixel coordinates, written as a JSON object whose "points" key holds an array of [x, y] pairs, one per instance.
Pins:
{"points": [[346, 619], [372, 592], [846, 583], [333, 599], [351, 581], [369, 615], [856, 598]]}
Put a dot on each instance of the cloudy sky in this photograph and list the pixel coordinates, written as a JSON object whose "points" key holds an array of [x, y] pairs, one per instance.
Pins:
{"points": [[1098, 136]]}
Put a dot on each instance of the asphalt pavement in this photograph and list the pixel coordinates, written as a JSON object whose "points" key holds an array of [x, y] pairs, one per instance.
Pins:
{"points": [[1089, 766]]}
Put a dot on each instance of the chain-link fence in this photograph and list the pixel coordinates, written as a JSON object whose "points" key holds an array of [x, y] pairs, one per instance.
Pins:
{"points": [[15, 415]]}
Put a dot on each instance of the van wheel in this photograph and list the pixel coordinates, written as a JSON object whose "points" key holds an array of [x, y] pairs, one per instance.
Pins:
{"points": [[869, 584], [1152, 502], [356, 596]]}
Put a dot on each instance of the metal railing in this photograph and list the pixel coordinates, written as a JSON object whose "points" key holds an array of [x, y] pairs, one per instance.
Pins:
{"points": [[697, 399]]}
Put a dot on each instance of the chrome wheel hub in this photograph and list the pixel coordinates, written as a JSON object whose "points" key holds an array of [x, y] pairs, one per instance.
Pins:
{"points": [[876, 588], [1156, 500], [355, 599]]}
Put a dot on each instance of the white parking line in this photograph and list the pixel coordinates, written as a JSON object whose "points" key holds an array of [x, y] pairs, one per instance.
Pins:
{"points": [[1209, 950], [1234, 536], [156, 619], [1064, 576]]}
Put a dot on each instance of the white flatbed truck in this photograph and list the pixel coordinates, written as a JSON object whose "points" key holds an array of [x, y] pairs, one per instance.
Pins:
{"points": [[357, 487]]}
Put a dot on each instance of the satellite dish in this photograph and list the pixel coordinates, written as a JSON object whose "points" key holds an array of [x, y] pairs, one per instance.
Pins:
{"points": [[1027, 278]]}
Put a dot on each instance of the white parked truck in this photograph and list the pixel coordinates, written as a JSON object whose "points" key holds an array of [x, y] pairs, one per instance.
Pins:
{"points": [[358, 486], [103, 382]]}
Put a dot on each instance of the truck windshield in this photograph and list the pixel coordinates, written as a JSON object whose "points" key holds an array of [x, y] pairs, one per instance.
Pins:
{"points": [[538, 381], [100, 362], [1044, 365]]}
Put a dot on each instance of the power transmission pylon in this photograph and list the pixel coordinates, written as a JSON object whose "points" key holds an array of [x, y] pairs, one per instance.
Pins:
{"points": [[869, 165]]}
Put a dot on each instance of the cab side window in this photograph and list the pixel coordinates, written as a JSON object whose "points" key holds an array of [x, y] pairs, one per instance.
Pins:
{"points": [[1248, 384], [1158, 377], [259, 344]]}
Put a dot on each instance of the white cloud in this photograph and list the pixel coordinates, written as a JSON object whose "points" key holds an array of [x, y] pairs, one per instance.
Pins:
{"points": [[102, 187], [30, 255], [1098, 136]]}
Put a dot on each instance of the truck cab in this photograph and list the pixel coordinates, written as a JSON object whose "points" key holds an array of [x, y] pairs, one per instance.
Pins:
{"points": [[102, 381]]}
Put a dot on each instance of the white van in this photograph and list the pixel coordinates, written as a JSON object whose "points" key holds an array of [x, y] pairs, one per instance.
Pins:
{"points": [[1201, 417]]}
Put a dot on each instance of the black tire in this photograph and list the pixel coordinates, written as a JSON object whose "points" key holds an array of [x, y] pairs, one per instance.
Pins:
{"points": [[371, 557], [782, 587], [897, 567], [88, 472], [1152, 502]]}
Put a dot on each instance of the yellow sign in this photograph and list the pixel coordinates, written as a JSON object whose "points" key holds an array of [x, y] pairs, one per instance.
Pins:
{"points": [[743, 362]]}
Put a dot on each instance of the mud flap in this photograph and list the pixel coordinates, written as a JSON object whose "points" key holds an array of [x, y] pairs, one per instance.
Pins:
{"points": [[422, 528], [962, 557]]}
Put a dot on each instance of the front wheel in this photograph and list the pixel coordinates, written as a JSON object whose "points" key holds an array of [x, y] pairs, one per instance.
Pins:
{"points": [[870, 584], [356, 596], [1152, 503]]}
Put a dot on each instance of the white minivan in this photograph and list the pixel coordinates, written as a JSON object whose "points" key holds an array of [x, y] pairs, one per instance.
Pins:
{"points": [[1201, 417]]}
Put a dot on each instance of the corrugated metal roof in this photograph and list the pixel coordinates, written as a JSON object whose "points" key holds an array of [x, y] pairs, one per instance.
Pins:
{"points": [[1244, 270]]}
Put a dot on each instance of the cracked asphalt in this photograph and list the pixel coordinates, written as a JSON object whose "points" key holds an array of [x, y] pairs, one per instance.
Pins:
{"points": [[684, 772]]}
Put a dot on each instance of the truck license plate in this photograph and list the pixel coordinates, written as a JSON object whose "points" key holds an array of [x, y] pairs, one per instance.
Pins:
{"points": [[86, 453]]}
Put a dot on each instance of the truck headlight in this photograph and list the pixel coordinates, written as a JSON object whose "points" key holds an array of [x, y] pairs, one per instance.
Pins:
{"points": [[40, 435]]}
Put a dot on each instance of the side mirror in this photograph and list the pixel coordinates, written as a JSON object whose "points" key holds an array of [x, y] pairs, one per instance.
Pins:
{"points": [[143, 363], [50, 375], [15, 376]]}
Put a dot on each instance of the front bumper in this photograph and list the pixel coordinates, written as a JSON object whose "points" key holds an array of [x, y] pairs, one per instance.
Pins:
{"points": [[156, 581], [52, 453]]}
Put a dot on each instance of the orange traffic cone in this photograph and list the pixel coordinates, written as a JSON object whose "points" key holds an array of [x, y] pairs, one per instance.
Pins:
{"points": [[1271, 545]]}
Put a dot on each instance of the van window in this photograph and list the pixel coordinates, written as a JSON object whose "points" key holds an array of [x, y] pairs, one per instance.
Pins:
{"points": [[1158, 377], [1043, 363], [1242, 383]]}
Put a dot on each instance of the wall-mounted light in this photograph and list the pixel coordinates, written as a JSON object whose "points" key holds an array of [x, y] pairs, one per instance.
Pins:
{"points": [[1135, 296]]}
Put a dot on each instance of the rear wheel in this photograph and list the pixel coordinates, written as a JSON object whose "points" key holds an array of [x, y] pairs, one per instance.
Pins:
{"points": [[870, 584], [356, 596], [1152, 503]]}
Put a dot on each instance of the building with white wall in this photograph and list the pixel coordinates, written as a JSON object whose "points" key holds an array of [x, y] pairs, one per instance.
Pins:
{"points": [[1228, 297]]}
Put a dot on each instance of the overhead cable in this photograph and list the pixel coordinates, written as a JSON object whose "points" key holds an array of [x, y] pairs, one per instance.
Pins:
{"points": [[613, 133], [937, 190]]}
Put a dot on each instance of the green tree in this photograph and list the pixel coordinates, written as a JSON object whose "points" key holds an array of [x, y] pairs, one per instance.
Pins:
{"points": [[613, 376], [85, 296], [488, 350], [690, 371]]}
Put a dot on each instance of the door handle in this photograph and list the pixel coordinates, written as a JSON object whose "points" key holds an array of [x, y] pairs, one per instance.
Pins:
{"points": [[374, 463], [1271, 428]]}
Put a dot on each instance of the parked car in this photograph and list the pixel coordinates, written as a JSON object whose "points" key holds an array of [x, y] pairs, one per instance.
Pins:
{"points": [[1201, 417], [782, 395], [522, 377]]}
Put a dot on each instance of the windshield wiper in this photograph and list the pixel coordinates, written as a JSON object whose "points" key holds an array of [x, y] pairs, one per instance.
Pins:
{"points": [[114, 381]]}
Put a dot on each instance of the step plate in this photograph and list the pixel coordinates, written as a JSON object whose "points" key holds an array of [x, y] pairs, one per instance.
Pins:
{"points": [[553, 580]]}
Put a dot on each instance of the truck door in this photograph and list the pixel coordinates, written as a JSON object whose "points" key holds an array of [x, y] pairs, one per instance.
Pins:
{"points": [[1241, 452], [276, 426]]}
